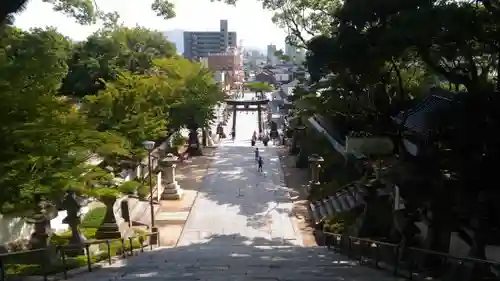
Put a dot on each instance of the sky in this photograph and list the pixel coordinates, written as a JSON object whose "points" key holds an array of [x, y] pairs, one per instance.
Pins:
{"points": [[247, 18]]}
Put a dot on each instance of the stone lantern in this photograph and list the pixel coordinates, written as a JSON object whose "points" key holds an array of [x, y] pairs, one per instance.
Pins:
{"points": [[297, 136], [72, 204], [172, 190], [315, 162], [43, 213]]}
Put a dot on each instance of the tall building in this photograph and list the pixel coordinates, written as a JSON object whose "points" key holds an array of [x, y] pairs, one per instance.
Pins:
{"points": [[271, 57], [199, 44], [290, 50]]}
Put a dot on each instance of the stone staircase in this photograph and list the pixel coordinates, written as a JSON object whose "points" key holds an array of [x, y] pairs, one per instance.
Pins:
{"points": [[344, 200]]}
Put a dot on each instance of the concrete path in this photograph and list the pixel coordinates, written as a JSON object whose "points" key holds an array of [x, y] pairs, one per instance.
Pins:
{"points": [[239, 229]]}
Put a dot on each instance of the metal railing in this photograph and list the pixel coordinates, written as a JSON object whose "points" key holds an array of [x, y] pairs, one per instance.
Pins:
{"points": [[411, 263], [44, 268]]}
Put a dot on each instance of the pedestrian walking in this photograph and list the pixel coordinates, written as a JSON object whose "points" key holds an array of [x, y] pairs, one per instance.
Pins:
{"points": [[256, 154], [260, 162]]}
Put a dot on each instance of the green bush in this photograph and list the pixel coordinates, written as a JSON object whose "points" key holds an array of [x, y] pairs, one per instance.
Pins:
{"points": [[178, 140], [143, 191], [89, 233], [339, 222], [129, 187], [63, 238], [94, 217], [73, 262]]}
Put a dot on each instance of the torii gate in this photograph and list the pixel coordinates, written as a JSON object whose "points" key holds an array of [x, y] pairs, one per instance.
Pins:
{"points": [[246, 107]]}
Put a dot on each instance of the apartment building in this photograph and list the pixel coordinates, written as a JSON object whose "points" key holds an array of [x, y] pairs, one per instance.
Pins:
{"points": [[198, 44]]}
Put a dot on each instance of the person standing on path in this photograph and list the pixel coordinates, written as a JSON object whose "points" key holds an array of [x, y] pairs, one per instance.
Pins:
{"points": [[256, 154], [260, 162]]}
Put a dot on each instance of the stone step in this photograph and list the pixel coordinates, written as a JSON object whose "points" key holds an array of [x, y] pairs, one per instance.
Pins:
{"points": [[172, 217], [321, 209], [328, 207], [344, 206], [335, 203]]}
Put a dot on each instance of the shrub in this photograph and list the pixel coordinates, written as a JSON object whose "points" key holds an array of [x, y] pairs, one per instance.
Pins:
{"points": [[63, 238], [140, 233], [89, 233], [73, 262], [60, 239], [143, 191], [106, 192], [178, 140], [94, 217], [339, 222], [129, 187]]}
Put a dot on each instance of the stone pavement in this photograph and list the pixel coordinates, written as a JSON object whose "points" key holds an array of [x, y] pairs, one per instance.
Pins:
{"points": [[239, 229], [173, 213]]}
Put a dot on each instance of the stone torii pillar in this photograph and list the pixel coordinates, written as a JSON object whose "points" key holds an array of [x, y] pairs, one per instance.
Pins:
{"points": [[259, 118]]}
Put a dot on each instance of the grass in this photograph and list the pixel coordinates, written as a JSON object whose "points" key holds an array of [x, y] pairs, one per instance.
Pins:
{"points": [[94, 217], [91, 221], [115, 249], [13, 268]]}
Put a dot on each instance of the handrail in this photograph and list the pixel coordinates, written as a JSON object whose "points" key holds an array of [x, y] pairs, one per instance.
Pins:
{"points": [[402, 261], [63, 249]]}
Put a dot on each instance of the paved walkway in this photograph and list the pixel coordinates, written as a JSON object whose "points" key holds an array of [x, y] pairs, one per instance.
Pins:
{"points": [[239, 229]]}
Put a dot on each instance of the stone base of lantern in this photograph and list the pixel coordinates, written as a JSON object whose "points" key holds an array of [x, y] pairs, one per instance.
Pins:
{"points": [[172, 191], [108, 231]]}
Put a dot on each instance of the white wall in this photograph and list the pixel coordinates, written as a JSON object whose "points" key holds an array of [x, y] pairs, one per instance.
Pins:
{"points": [[282, 77]]}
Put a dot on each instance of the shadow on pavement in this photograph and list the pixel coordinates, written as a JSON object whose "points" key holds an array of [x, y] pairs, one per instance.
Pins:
{"points": [[233, 180], [233, 257]]}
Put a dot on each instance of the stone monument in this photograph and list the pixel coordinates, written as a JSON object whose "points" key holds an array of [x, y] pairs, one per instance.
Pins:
{"points": [[172, 190]]}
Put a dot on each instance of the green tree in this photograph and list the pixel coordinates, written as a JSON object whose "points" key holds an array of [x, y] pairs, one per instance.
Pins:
{"points": [[105, 53], [46, 142], [303, 19], [375, 61], [259, 87], [282, 56], [126, 108], [83, 11], [196, 97]]}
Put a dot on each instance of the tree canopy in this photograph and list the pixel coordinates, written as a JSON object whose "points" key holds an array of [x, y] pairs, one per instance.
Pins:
{"points": [[64, 104], [259, 87], [105, 53]]}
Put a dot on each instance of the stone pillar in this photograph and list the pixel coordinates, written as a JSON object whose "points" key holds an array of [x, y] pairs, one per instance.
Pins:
{"points": [[172, 190], [259, 118], [158, 191], [234, 118]]}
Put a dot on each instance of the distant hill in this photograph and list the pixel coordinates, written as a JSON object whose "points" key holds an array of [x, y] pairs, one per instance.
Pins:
{"points": [[176, 36]]}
